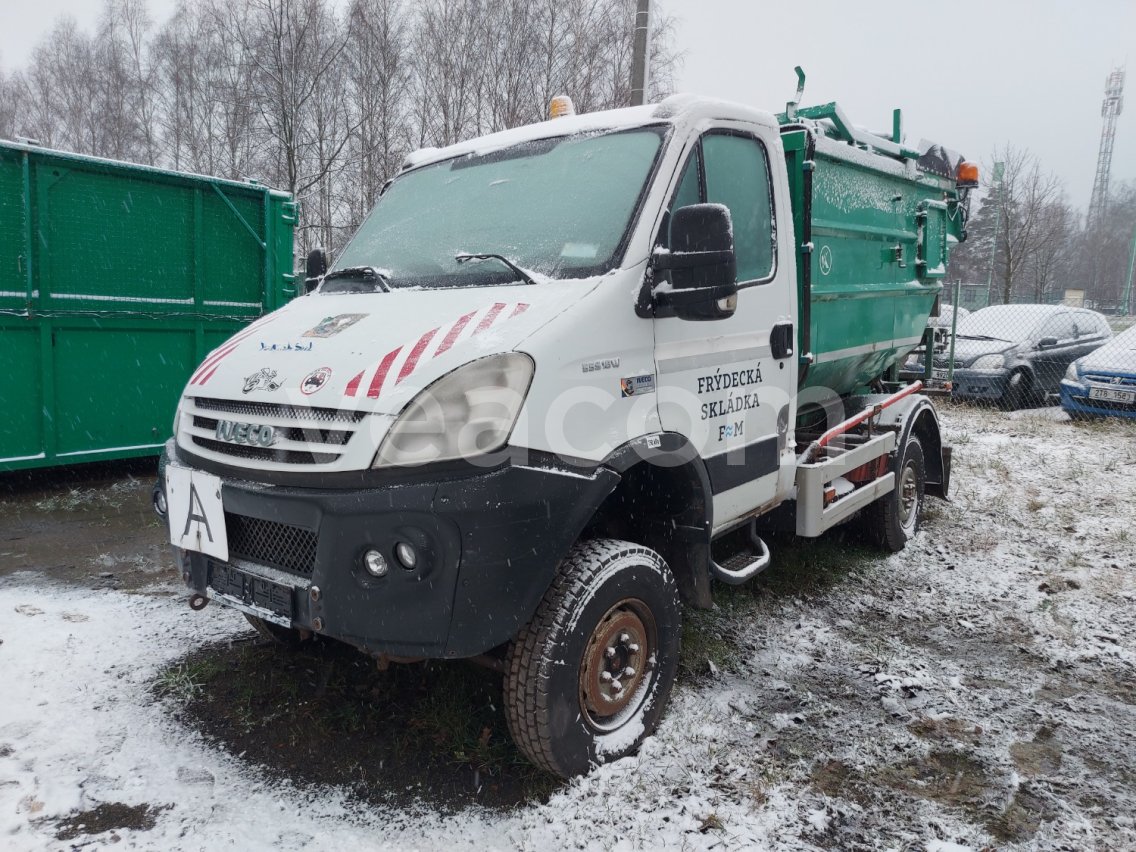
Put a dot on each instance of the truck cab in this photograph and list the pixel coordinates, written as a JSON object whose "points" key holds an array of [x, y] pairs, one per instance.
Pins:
{"points": [[554, 369]]}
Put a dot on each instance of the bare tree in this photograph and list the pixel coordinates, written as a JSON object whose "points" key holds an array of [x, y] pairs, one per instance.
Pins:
{"points": [[319, 104], [378, 87], [1021, 199]]}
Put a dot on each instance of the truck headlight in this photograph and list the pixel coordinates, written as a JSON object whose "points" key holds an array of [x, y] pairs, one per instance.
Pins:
{"points": [[468, 412], [1071, 374], [988, 362]]}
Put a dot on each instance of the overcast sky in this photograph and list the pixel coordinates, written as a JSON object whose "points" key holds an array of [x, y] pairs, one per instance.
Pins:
{"points": [[967, 74]]}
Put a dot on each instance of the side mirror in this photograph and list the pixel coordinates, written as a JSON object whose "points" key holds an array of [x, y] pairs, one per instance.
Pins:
{"points": [[701, 260], [314, 269], [1047, 343]]}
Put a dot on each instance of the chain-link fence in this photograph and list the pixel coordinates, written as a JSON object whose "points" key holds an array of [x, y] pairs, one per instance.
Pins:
{"points": [[1025, 356]]}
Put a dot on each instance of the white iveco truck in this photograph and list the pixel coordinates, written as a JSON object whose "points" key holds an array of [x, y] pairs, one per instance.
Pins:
{"points": [[557, 383]]}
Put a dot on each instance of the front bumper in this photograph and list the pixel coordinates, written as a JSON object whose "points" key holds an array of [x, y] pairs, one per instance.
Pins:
{"points": [[980, 384], [1075, 400], [488, 545]]}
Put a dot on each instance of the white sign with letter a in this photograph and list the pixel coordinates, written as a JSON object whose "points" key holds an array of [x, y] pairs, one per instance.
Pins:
{"points": [[196, 515]]}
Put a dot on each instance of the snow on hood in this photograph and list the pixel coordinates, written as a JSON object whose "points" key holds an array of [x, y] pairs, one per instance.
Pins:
{"points": [[373, 352], [967, 349], [1116, 356]]}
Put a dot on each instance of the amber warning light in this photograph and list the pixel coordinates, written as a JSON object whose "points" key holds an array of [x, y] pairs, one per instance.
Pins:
{"points": [[560, 106], [967, 175]]}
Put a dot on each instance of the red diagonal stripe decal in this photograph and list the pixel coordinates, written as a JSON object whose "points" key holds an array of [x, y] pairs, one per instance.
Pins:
{"points": [[353, 385], [453, 333], [490, 317], [519, 309], [228, 347], [381, 373], [216, 358], [415, 353]]}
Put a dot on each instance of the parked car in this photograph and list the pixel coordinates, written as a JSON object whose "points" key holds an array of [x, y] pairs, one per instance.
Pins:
{"points": [[1016, 354], [942, 325], [1103, 382]]}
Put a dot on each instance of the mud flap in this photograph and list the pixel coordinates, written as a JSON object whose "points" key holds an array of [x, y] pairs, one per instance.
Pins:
{"points": [[942, 489]]}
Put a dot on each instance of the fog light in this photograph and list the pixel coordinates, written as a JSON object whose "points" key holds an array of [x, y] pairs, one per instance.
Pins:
{"points": [[375, 563], [406, 555]]}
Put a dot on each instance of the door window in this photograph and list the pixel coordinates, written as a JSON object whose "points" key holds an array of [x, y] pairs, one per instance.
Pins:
{"points": [[737, 175], [730, 169], [1060, 327]]}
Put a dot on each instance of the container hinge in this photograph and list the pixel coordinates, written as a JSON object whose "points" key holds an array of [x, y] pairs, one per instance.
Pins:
{"points": [[806, 248], [808, 165]]}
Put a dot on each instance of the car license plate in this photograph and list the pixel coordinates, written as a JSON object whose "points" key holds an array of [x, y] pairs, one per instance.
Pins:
{"points": [[940, 375], [1112, 395], [196, 515], [248, 593]]}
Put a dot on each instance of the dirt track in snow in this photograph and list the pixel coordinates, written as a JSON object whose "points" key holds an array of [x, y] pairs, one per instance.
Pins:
{"points": [[978, 690]]}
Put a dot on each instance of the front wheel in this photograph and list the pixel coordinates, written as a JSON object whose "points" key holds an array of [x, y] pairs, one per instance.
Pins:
{"points": [[588, 678]]}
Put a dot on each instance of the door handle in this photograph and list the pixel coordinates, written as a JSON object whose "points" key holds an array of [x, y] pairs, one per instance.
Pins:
{"points": [[781, 340]]}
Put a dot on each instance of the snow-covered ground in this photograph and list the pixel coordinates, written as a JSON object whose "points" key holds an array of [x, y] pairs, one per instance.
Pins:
{"points": [[977, 690]]}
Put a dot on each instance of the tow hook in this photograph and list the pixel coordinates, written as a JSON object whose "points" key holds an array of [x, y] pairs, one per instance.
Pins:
{"points": [[198, 602]]}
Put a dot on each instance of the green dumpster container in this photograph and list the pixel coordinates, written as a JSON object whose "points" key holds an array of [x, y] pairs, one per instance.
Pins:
{"points": [[115, 281]]}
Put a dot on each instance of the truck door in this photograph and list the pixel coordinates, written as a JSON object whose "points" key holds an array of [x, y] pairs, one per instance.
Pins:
{"points": [[721, 382]]}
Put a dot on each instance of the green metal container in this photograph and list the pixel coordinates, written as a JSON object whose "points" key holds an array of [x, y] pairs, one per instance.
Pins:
{"points": [[115, 281], [876, 221]]}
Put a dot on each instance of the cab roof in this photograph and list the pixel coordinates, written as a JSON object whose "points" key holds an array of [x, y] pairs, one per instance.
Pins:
{"points": [[675, 110]]}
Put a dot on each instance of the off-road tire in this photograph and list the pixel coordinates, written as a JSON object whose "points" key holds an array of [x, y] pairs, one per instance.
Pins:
{"points": [[546, 701], [285, 637], [894, 519]]}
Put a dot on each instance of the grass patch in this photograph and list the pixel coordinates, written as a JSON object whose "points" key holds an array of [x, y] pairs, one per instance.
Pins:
{"points": [[325, 714]]}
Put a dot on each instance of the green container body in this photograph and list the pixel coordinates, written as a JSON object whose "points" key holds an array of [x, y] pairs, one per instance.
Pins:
{"points": [[874, 235], [115, 281]]}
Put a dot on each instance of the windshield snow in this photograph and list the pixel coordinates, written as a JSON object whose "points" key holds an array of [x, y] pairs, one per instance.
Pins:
{"points": [[557, 207]]}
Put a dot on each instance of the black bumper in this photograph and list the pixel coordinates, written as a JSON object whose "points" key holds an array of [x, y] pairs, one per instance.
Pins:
{"points": [[488, 545]]}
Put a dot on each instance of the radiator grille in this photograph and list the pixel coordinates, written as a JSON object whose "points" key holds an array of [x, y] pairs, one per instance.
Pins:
{"points": [[272, 409], [302, 436]]}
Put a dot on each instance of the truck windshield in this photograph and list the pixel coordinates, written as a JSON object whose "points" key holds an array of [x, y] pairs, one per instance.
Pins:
{"points": [[558, 207]]}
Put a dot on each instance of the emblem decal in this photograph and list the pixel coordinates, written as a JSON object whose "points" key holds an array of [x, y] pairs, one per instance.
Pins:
{"points": [[262, 379], [245, 433], [331, 326], [315, 380], [603, 364]]}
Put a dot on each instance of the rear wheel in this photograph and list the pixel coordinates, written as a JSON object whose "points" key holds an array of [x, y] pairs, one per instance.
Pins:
{"points": [[588, 678], [894, 519]]}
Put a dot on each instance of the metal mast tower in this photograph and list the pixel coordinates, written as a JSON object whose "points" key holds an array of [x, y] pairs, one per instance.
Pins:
{"points": [[1111, 108]]}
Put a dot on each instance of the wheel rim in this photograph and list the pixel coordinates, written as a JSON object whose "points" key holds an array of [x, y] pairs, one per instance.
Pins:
{"points": [[619, 665], [908, 498]]}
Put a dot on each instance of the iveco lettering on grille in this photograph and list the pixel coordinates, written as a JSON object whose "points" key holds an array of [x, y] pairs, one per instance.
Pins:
{"points": [[245, 433]]}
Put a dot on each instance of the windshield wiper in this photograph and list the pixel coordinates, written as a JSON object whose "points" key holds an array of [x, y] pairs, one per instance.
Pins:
{"points": [[465, 257], [366, 274], [983, 337]]}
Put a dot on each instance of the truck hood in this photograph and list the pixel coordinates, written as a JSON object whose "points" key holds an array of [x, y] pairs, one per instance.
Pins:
{"points": [[373, 352]]}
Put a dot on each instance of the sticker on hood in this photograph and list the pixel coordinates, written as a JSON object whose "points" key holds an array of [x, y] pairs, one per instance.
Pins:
{"points": [[315, 380], [331, 326], [262, 379]]}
